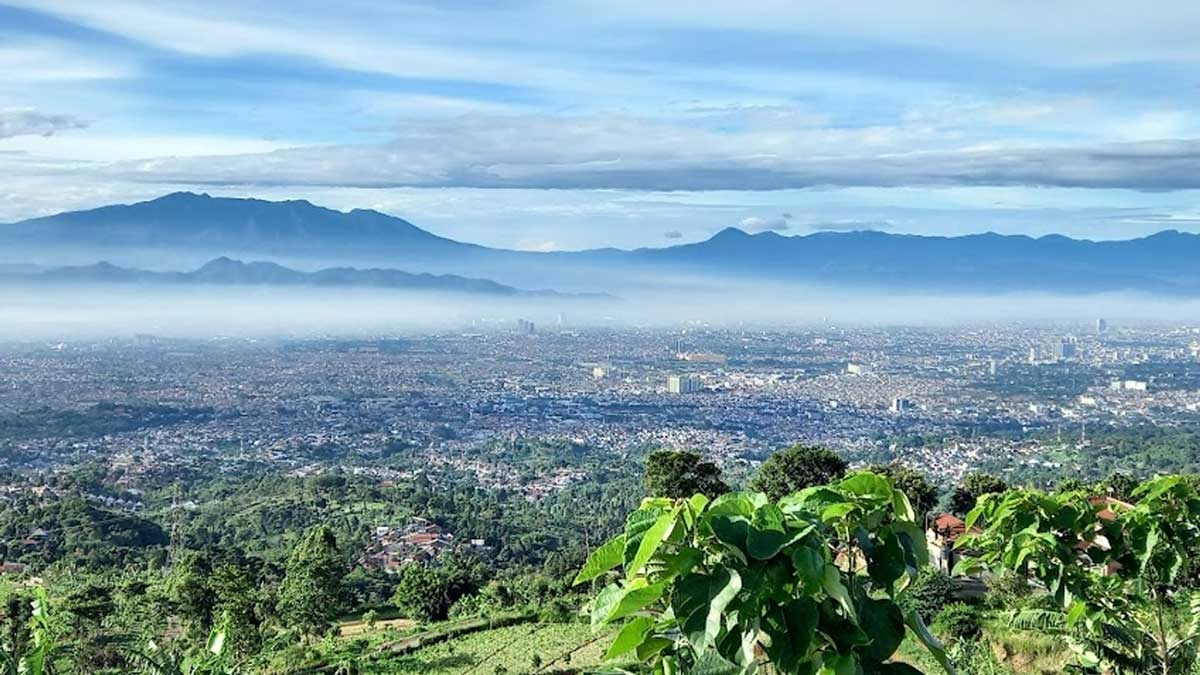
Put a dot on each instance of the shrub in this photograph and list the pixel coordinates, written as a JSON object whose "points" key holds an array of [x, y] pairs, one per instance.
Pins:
{"points": [[958, 621], [929, 593]]}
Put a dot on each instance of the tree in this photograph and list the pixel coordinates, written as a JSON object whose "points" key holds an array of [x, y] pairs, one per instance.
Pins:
{"points": [[798, 467], [1117, 579], [974, 485], [1119, 485], [311, 593], [192, 592], [370, 618], [236, 587], [920, 491], [427, 593], [681, 473], [709, 586]]}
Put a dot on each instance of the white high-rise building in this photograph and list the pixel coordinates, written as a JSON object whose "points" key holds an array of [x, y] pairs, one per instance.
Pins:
{"points": [[682, 384]]}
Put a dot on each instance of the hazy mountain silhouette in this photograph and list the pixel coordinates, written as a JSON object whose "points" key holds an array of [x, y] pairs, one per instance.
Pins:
{"points": [[226, 271], [183, 226]]}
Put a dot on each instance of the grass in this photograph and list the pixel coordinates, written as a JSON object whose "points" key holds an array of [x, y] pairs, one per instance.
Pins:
{"points": [[1027, 652], [357, 627], [557, 646]]}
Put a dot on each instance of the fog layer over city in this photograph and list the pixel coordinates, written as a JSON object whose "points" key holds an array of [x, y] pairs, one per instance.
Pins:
{"points": [[76, 311]]}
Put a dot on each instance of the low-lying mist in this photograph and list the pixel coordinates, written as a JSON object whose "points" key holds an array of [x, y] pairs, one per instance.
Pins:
{"points": [[63, 312]]}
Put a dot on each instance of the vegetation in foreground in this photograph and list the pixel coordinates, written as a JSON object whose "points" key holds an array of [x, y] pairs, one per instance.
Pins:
{"points": [[830, 577]]}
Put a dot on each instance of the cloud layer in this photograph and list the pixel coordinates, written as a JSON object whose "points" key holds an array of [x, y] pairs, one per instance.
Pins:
{"points": [[636, 153]]}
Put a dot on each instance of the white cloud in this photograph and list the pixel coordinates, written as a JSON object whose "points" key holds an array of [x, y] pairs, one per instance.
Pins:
{"points": [[54, 61], [760, 224], [27, 122]]}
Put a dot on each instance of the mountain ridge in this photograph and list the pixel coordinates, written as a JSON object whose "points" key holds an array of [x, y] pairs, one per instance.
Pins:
{"points": [[227, 271], [188, 224]]}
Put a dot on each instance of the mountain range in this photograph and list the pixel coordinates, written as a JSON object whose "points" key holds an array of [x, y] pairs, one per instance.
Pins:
{"points": [[229, 272], [183, 229]]}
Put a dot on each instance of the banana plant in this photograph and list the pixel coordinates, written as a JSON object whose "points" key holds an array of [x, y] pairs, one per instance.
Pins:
{"points": [[45, 652], [155, 659], [807, 585]]}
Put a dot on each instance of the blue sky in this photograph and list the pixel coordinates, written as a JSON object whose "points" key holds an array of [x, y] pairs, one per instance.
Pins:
{"points": [[548, 125]]}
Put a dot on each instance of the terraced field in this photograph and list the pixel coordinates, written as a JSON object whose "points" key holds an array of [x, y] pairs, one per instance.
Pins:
{"points": [[556, 646]]}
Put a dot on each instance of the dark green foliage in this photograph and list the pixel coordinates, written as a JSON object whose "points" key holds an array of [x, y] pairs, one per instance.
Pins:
{"points": [[928, 593], [1008, 591], [922, 493], [311, 594], [795, 468], [428, 593], [974, 485], [679, 473], [958, 621], [1118, 485], [193, 594], [1070, 485]]}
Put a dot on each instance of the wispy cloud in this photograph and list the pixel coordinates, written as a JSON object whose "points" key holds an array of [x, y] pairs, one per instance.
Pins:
{"points": [[627, 152], [24, 122]]}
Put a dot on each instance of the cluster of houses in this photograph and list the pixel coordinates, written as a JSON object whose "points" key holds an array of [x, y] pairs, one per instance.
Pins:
{"points": [[420, 542]]}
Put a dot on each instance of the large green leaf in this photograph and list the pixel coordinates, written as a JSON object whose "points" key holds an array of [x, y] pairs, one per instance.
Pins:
{"points": [[709, 662], [631, 636], [843, 631], [834, 588], [838, 664], [766, 535], [867, 484], [736, 504], [935, 648], [699, 600], [636, 525], [651, 541], [617, 601], [913, 541], [731, 530], [791, 627], [886, 561], [681, 562], [810, 568], [882, 620], [902, 507], [651, 646], [602, 560]]}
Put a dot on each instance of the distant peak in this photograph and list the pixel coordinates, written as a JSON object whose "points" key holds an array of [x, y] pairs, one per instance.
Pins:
{"points": [[183, 195], [223, 261], [730, 233]]}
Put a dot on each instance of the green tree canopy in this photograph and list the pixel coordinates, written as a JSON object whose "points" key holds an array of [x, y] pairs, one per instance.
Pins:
{"points": [[796, 468], [427, 593], [920, 491], [311, 594], [1119, 485], [682, 473], [974, 485]]}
